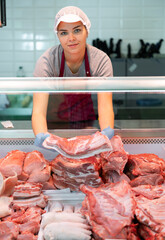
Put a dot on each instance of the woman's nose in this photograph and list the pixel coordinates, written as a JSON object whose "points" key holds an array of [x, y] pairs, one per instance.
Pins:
{"points": [[71, 37]]}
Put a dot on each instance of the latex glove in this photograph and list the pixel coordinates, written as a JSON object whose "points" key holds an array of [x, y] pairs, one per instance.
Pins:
{"points": [[40, 137], [109, 132]]}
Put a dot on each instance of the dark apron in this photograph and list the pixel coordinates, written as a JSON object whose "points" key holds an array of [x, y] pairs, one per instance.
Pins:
{"points": [[78, 106]]}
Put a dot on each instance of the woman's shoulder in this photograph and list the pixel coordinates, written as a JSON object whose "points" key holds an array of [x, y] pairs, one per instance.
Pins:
{"points": [[100, 63], [95, 52], [53, 52]]}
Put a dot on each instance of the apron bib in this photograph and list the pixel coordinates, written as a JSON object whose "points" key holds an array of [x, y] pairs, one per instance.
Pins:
{"points": [[76, 107]]}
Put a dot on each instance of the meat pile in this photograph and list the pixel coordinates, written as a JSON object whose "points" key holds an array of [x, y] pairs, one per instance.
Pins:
{"points": [[29, 167], [145, 169], [71, 173], [109, 210], [22, 221], [92, 171], [150, 211], [63, 221], [114, 161]]}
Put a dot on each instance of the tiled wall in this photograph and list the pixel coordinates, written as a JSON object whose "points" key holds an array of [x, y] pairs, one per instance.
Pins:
{"points": [[29, 30]]}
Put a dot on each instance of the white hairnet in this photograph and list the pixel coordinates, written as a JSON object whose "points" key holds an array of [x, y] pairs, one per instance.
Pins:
{"points": [[71, 14]]}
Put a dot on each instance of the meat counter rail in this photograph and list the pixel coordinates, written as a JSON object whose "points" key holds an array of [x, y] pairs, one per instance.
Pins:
{"points": [[115, 194]]}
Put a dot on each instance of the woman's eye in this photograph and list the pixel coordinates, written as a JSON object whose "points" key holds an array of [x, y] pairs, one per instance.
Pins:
{"points": [[63, 33], [77, 30]]}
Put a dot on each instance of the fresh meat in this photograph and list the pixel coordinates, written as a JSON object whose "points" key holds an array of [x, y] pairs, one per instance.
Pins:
{"points": [[114, 177], [4, 206], [30, 227], [25, 215], [27, 236], [149, 191], [78, 145], [143, 164], [50, 217], [147, 234], [40, 176], [49, 185], [151, 213], [66, 230], [149, 179], [114, 160], [12, 163], [34, 161], [2, 186], [26, 190], [9, 185], [36, 167], [72, 173], [109, 208], [40, 201], [8, 230]]}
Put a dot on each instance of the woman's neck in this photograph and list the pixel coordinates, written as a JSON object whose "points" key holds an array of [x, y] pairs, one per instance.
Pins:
{"points": [[74, 61]]}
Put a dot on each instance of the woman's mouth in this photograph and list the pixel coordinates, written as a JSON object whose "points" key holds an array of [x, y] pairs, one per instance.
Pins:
{"points": [[72, 45]]}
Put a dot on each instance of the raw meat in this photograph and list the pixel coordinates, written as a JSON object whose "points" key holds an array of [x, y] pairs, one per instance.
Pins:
{"points": [[40, 176], [149, 179], [27, 236], [109, 208], [62, 217], [143, 164], [2, 186], [151, 213], [114, 177], [66, 230], [8, 230], [30, 227], [9, 185], [114, 160], [12, 163], [22, 216], [80, 145], [49, 185], [72, 173], [34, 161], [150, 192], [27, 190], [40, 201], [36, 167], [4, 206]]}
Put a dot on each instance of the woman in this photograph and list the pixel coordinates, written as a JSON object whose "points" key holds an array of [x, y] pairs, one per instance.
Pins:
{"points": [[73, 58]]}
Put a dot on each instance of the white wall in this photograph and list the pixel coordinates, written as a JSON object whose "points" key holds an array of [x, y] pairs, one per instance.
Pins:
{"points": [[29, 30]]}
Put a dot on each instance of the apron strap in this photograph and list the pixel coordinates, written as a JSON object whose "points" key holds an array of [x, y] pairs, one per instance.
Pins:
{"points": [[62, 65], [87, 68]]}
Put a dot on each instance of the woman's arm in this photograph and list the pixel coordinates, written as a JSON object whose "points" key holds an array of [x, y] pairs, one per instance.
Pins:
{"points": [[39, 121], [105, 110]]}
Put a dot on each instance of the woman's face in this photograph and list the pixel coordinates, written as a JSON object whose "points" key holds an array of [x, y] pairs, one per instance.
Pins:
{"points": [[72, 37]]}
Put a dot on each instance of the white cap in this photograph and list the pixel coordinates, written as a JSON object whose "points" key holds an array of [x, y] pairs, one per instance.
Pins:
{"points": [[71, 14]]}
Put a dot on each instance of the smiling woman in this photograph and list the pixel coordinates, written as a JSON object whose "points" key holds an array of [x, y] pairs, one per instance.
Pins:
{"points": [[73, 57]]}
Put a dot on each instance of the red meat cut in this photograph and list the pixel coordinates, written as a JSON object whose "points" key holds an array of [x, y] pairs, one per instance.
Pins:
{"points": [[109, 209], [78, 145], [72, 173], [12, 163]]}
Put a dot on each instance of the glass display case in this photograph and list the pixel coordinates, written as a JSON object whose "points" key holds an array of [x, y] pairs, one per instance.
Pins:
{"points": [[136, 125]]}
